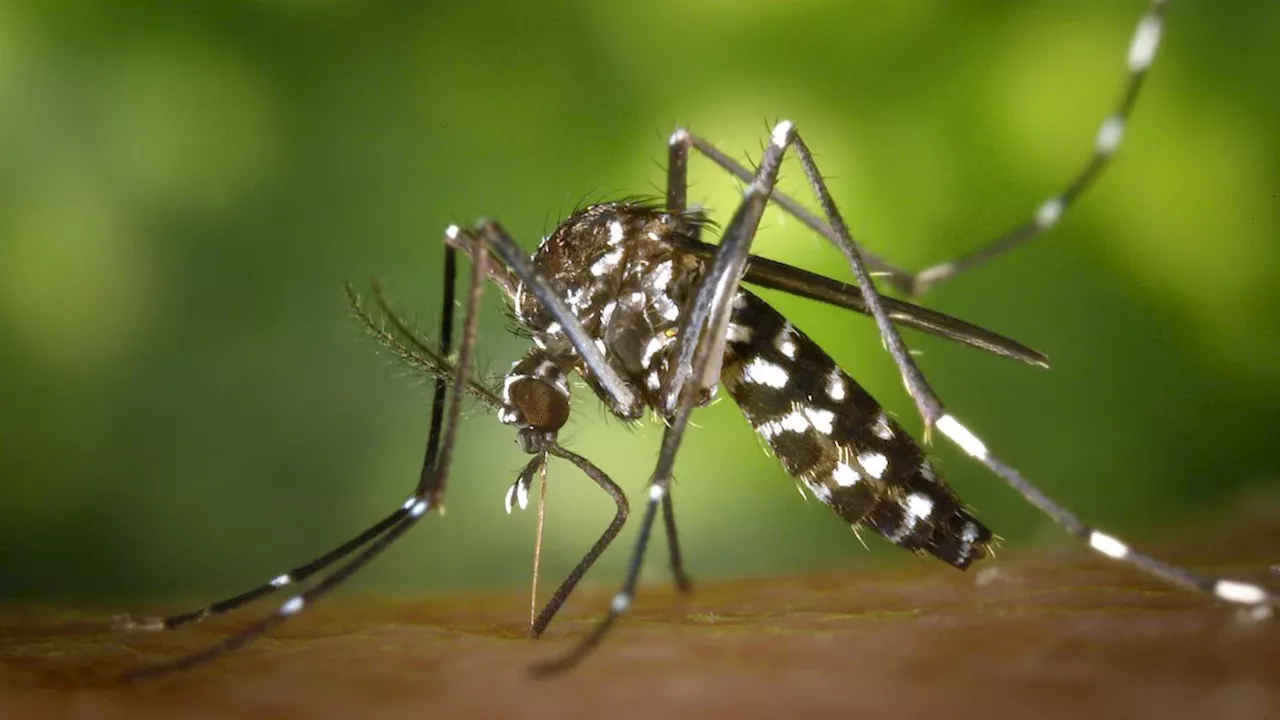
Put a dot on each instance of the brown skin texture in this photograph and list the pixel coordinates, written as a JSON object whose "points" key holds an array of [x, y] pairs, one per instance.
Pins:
{"points": [[1043, 634]]}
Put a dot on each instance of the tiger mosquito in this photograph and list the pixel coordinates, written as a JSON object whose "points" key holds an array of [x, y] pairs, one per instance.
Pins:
{"points": [[626, 295]]}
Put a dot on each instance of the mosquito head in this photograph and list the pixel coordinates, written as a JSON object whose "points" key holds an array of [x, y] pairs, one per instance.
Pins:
{"points": [[542, 410], [535, 399]]}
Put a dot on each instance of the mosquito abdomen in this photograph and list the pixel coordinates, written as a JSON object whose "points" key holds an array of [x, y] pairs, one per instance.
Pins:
{"points": [[828, 432]]}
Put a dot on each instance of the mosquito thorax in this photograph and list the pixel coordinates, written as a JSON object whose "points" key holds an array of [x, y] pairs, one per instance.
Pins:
{"points": [[621, 276]]}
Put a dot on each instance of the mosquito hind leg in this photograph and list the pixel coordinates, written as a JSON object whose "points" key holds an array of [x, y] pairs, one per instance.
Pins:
{"points": [[935, 415], [1141, 53]]}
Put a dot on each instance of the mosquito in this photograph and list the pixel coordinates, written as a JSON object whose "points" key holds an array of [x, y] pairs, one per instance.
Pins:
{"points": [[627, 296]]}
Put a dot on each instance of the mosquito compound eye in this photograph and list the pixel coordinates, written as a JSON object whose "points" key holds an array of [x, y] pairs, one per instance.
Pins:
{"points": [[542, 405]]}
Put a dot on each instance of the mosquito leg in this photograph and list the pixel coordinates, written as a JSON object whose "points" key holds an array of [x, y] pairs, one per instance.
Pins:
{"points": [[678, 170], [1141, 53], [296, 575], [677, 202], [711, 307], [934, 415], [682, 141], [615, 526], [683, 583], [428, 495], [303, 572]]}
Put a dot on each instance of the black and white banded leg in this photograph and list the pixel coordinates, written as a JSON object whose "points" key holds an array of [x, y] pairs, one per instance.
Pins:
{"points": [[428, 495], [304, 572], [1143, 45], [935, 415]]}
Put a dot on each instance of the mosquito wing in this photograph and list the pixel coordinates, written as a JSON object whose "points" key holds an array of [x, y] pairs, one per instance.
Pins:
{"points": [[780, 276]]}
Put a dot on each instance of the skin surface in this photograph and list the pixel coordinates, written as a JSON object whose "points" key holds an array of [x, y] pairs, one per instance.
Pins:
{"points": [[1047, 634]]}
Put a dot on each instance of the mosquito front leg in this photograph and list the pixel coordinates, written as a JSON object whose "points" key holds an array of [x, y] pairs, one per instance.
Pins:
{"points": [[304, 572], [428, 494]]}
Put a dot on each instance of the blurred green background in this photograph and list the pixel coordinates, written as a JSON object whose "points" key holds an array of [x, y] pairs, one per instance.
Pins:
{"points": [[188, 408]]}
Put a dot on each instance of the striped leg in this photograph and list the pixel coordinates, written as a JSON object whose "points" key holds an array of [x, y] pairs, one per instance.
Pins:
{"points": [[429, 494], [934, 415], [304, 572], [1141, 53], [1233, 591]]}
